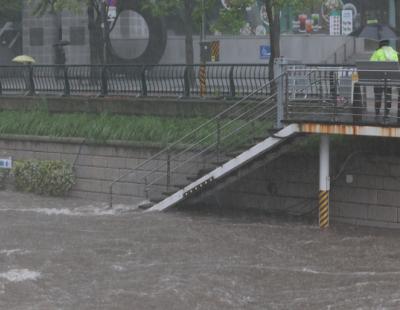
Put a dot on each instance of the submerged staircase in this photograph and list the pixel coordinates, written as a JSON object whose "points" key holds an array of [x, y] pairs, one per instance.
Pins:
{"points": [[219, 176], [216, 153]]}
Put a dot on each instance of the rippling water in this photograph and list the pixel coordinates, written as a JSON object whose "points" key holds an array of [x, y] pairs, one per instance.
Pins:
{"points": [[71, 254]]}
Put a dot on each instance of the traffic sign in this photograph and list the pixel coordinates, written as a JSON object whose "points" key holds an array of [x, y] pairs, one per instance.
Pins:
{"points": [[265, 51]]}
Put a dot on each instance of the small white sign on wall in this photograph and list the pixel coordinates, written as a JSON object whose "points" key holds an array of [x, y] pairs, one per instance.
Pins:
{"points": [[6, 163]]}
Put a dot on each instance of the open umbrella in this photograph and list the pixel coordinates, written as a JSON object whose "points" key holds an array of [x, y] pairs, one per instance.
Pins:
{"points": [[376, 32], [24, 59]]}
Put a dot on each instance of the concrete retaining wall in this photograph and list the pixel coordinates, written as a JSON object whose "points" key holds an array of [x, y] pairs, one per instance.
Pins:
{"points": [[96, 166], [366, 192]]}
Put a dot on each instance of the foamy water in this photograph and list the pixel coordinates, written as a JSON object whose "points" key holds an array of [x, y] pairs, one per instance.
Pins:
{"points": [[89, 210], [19, 275], [14, 252]]}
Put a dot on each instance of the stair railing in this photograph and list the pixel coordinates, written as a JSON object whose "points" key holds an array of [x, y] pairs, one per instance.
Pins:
{"points": [[207, 146]]}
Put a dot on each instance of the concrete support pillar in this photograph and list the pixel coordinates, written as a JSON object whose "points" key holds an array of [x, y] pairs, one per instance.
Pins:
{"points": [[324, 182]]}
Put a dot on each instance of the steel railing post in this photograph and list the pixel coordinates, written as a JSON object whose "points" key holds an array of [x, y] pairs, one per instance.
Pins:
{"points": [[146, 188], [385, 93], [67, 88], [232, 89], [31, 82], [279, 70], [168, 170], [143, 82], [286, 107], [218, 138], [187, 80], [104, 81]]}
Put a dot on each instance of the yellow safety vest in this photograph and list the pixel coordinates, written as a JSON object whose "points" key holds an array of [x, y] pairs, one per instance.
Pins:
{"points": [[385, 53]]}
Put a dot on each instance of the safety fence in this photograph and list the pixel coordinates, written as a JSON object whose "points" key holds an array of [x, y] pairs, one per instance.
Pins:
{"points": [[342, 94], [211, 80]]}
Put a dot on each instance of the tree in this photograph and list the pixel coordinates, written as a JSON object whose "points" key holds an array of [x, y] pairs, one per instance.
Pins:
{"points": [[188, 10], [191, 12], [273, 9], [232, 19], [10, 10], [96, 12]]}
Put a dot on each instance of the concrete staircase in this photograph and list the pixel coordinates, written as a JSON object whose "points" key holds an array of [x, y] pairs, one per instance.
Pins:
{"points": [[247, 161]]}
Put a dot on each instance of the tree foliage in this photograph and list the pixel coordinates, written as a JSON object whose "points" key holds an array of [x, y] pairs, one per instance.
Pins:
{"points": [[43, 6], [232, 19], [10, 10], [273, 8]]}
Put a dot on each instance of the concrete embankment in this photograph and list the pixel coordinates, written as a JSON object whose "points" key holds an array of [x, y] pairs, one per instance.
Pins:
{"points": [[365, 180]]}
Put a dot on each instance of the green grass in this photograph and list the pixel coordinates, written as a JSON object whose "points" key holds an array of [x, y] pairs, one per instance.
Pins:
{"points": [[115, 127]]}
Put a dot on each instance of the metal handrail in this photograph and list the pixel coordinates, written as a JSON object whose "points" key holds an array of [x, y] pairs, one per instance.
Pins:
{"points": [[344, 99], [212, 145], [180, 141]]}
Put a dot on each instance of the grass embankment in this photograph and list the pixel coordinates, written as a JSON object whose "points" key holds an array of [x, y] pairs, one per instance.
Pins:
{"points": [[106, 127]]}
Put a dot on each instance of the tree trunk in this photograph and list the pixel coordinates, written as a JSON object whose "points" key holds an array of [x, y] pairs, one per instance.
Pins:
{"points": [[95, 36], [274, 34], [188, 11]]}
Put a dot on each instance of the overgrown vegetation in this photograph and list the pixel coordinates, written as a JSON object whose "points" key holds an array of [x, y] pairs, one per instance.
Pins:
{"points": [[47, 177], [116, 127]]}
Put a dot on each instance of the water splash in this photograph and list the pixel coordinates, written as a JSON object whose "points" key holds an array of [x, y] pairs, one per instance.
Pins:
{"points": [[88, 210], [19, 275]]}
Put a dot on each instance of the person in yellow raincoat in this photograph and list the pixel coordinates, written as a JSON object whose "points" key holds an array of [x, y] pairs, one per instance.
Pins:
{"points": [[384, 53]]}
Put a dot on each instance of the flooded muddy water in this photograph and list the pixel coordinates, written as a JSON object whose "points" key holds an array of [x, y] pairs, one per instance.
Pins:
{"points": [[74, 254]]}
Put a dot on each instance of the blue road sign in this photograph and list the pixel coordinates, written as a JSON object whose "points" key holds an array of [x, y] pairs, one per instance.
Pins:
{"points": [[265, 51]]}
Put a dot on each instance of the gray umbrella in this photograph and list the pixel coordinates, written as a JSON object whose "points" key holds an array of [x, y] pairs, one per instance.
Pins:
{"points": [[376, 32]]}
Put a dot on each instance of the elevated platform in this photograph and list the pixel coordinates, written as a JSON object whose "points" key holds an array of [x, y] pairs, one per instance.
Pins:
{"points": [[377, 130]]}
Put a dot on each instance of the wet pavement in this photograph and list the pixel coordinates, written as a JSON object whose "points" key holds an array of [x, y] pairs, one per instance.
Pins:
{"points": [[73, 254]]}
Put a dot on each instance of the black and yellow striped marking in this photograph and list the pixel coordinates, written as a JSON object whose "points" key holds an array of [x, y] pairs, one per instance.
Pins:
{"points": [[214, 51], [324, 209], [203, 77]]}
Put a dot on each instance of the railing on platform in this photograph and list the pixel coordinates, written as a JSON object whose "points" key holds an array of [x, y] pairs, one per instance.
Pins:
{"points": [[341, 94], [221, 80]]}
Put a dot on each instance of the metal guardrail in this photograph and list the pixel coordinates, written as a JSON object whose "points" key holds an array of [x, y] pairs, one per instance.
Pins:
{"points": [[342, 95], [207, 146], [220, 80]]}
